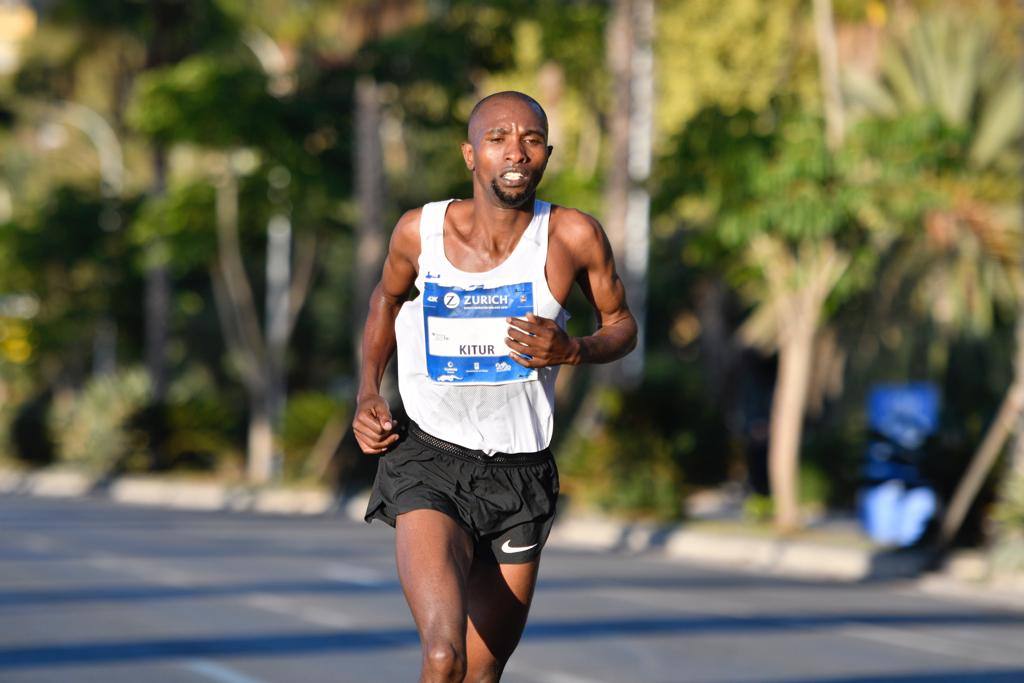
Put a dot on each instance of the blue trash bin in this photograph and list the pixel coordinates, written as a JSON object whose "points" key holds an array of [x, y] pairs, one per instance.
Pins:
{"points": [[895, 502]]}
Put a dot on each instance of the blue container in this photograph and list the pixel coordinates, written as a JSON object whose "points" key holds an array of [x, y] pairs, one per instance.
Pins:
{"points": [[896, 503]]}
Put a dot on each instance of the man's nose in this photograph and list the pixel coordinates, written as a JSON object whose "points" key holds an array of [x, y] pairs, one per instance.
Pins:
{"points": [[515, 151]]}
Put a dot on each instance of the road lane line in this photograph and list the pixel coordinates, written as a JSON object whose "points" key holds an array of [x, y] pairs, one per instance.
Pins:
{"points": [[548, 676], [314, 615], [146, 569], [931, 644], [218, 672], [353, 573], [904, 638]]}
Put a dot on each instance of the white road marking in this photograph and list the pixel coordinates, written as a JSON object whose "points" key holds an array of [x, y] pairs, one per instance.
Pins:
{"points": [[931, 644], [548, 676], [904, 638], [314, 615], [353, 573], [147, 569], [268, 602], [39, 543], [218, 672], [691, 602]]}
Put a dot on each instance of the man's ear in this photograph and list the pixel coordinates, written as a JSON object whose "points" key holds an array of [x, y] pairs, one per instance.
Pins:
{"points": [[467, 155], [551, 148]]}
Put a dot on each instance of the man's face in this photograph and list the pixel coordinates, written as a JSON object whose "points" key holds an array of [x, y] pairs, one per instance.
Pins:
{"points": [[508, 151]]}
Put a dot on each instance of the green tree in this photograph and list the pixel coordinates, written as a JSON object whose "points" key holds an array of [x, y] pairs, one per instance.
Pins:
{"points": [[965, 258]]}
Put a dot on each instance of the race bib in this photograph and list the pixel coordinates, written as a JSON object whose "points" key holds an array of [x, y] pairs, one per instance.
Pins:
{"points": [[465, 333]]}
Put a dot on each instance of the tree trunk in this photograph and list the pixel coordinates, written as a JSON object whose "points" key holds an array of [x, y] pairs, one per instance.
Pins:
{"points": [[638, 211], [259, 356], [1017, 449], [616, 192], [279, 240], [984, 459], [260, 459], [627, 214], [369, 168], [371, 238], [158, 294], [828, 71], [244, 338], [551, 88], [787, 414]]}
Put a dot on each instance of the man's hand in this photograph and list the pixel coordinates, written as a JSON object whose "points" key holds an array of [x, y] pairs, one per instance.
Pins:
{"points": [[373, 426], [543, 341]]}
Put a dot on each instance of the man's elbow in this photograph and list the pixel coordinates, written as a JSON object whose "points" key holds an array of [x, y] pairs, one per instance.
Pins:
{"points": [[633, 334]]}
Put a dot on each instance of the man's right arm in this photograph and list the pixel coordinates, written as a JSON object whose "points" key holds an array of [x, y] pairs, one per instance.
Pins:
{"points": [[374, 429]]}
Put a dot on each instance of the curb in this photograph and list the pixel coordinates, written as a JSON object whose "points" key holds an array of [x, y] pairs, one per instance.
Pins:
{"points": [[157, 491], [785, 557], [797, 558]]}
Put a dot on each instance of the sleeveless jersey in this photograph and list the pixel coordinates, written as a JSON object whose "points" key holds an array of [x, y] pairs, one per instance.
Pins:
{"points": [[455, 375]]}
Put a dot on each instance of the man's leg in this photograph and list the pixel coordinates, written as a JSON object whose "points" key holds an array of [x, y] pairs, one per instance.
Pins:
{"points": [[499, 601], [434, 555]]}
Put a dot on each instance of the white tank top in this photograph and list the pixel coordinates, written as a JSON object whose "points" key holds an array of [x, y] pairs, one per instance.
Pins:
{"points": [[455, 376]]}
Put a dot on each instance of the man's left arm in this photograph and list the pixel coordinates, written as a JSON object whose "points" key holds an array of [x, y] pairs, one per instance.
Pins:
{"points": [[547, 344]]}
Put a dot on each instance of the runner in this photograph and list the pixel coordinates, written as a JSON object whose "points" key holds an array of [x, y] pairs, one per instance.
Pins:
{"points": [[469, 483]]}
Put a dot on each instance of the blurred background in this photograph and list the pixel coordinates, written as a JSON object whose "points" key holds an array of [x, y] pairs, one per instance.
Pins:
{"points": [[816, 207]]}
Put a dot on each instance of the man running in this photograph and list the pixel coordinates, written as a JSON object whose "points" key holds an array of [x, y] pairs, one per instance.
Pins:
{"points": [[470, 483]]}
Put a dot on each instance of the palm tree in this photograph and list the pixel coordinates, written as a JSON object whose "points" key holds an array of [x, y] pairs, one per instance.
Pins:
{"points": [[966, 260], [790, 293]]}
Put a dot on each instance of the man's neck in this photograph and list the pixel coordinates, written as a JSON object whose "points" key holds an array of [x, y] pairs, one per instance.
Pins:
{"points": [[490, 217]]}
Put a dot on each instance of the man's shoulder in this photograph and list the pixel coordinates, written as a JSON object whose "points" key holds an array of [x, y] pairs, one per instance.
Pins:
{"points": [[573, 226], [405, 239]]}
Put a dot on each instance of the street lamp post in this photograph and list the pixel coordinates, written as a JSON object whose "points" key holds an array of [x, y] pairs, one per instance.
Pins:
{"points": [[111, 158]]}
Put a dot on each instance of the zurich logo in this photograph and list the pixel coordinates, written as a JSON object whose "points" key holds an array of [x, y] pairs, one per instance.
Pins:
{"points": [[451, 299]]}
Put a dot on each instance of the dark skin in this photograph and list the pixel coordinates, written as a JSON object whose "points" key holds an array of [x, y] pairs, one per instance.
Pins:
{"points": [[470, 614]]}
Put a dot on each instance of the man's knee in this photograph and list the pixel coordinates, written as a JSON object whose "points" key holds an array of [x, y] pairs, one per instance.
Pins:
{"points": [[486, 673], [444, 660]]}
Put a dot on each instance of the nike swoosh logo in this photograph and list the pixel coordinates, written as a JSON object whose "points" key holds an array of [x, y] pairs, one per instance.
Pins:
{"points": [[507, 547]]}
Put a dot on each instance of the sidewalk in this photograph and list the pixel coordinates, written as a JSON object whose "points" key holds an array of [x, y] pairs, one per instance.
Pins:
{"points": [[829, 550]]}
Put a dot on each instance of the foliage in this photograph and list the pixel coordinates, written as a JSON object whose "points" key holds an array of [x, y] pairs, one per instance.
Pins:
{"points": [[1009, 511], [732, 54], [306, 415], [202, 426], [945, 63], [182, 223], [186, 103], [921, 205], [91, 428], [653, 440], [627, 472], [1008, 517], [63, 256]]}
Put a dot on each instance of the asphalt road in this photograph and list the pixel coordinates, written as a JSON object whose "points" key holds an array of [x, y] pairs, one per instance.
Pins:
{"points": [[91, 591]]}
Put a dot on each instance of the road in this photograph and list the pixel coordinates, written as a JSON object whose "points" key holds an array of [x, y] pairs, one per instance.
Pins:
{"points": [[91, 591]]}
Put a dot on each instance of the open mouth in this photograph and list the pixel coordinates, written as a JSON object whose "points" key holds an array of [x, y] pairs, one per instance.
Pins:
{"points": [[514, 178]]}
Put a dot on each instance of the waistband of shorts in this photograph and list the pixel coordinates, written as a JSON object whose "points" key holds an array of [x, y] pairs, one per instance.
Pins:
{"points": [[464, 453]]}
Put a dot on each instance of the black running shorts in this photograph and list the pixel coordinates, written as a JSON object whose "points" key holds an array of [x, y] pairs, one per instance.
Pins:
{"points": [[506, 502]]}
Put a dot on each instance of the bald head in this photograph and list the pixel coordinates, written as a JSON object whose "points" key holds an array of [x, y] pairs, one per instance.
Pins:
{"points": [[477, 116]]}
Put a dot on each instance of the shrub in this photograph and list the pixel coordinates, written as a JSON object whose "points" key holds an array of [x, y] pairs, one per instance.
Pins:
{"points": [[91, 428], [306, 415], [628, 472]]}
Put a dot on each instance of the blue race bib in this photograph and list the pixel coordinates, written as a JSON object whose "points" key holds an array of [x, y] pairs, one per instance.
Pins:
{"points": [[465, 331]]}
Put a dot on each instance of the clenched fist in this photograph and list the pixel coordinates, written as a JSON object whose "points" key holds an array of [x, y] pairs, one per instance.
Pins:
{"points": [[373, 425], [539, 342]]}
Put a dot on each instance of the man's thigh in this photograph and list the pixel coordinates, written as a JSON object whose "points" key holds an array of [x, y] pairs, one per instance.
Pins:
{"points": [[499, 597], [434, 554]]}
